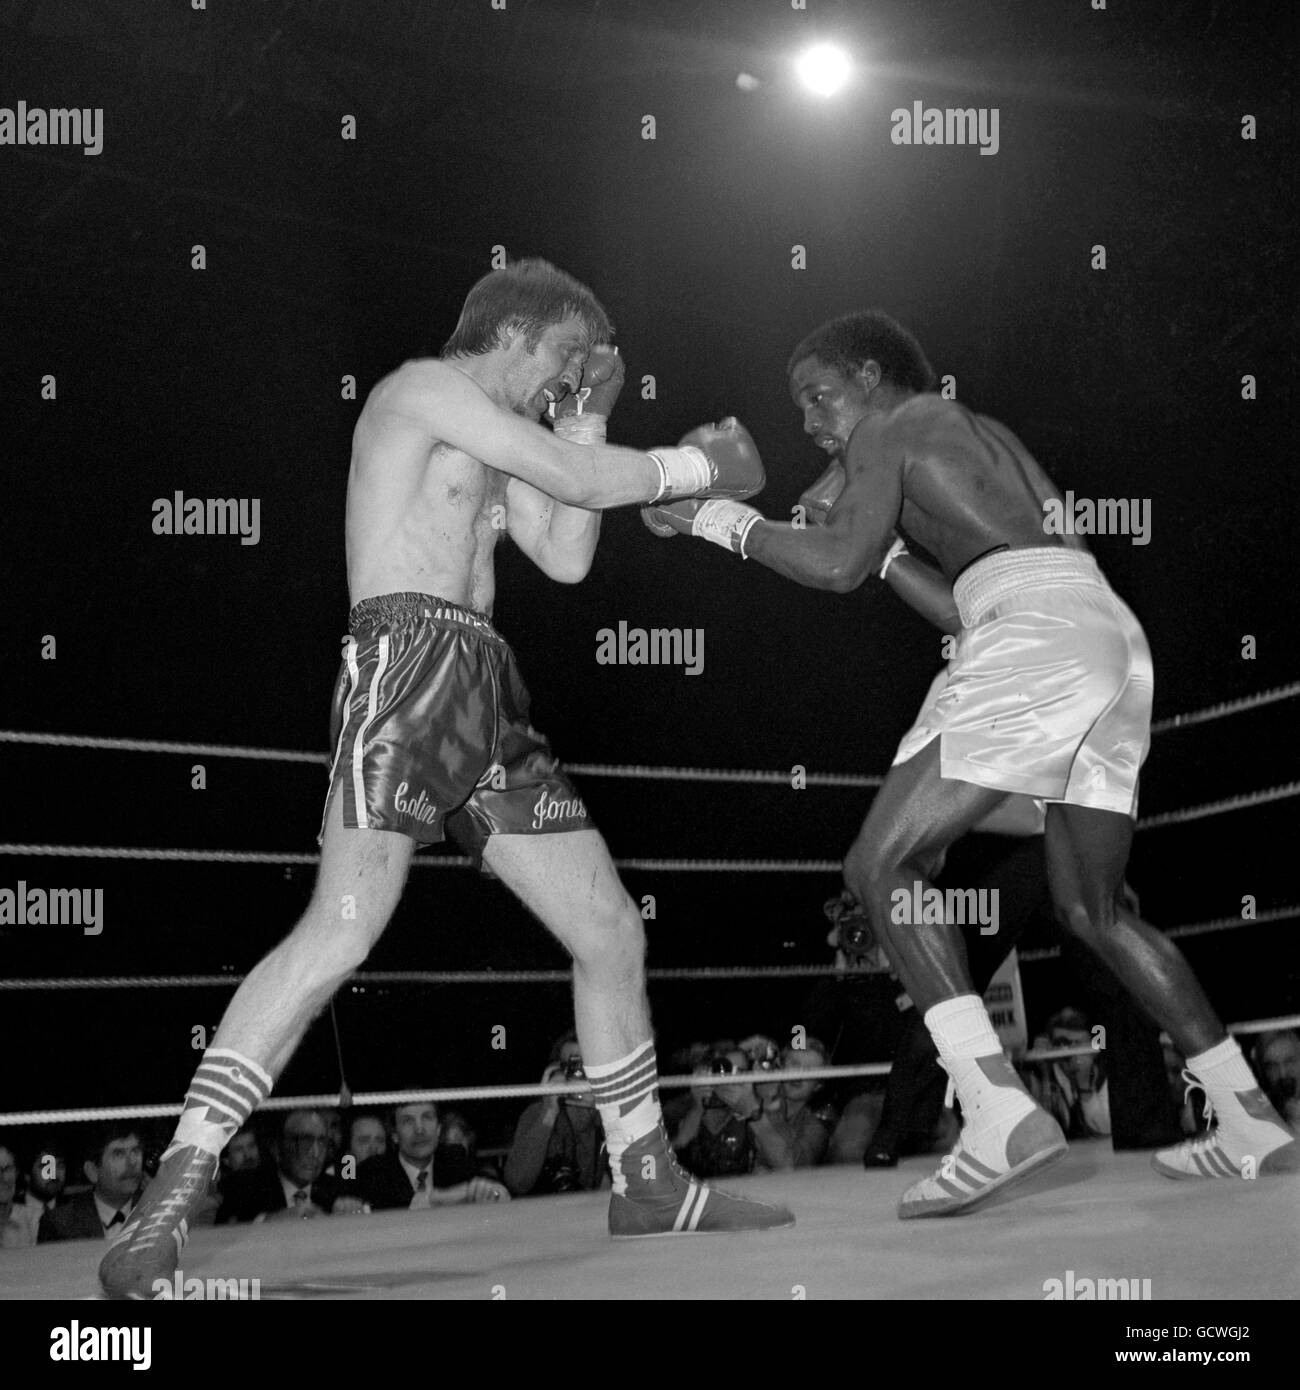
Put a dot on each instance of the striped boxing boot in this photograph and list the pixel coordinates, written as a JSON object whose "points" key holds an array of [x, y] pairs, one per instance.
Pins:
{"points": [[1006, 1136], [653, 1195], [1250, 1138], [226, 1089]]}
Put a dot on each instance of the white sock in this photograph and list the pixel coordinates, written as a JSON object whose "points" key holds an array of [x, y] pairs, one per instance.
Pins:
{"points": [[961, 1028], [963, 1033], [1224, 1073]]}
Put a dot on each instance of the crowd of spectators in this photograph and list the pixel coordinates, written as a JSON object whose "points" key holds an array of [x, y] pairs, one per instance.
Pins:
{"points": [[325, 1164]]}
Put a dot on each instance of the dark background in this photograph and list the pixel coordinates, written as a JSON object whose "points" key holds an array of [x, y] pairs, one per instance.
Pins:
{"points": [[522, 128]]}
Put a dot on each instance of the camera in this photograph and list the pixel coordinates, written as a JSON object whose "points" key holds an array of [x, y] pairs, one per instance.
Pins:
{"points": [[769, 1060], [853, 934], [562, 1177], [721, 1066], [856, 937]]}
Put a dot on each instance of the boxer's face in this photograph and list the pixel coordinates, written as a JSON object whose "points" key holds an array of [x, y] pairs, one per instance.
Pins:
{"points": [[832, 404], [554, 365]]}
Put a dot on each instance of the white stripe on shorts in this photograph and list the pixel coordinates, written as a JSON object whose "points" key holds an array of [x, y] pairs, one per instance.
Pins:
{"points": [[359, 743]]}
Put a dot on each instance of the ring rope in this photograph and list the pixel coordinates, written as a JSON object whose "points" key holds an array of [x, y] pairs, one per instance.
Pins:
{"points": [[684, 774], [459, 861], [538, 977], [469, 1093]]}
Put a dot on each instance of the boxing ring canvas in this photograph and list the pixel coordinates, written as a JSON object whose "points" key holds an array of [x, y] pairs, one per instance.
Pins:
{"points": [[1096, 1216]]}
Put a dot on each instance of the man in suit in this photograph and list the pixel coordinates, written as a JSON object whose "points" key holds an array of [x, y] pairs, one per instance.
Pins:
{"points": [[115, 1167], [297, 1185], [404, 1176]]}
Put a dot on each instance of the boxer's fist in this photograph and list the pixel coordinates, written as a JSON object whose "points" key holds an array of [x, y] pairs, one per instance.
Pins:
{"points": [[602, 380], [715, 519], [735, 466], [820, 498], [673, 518]]}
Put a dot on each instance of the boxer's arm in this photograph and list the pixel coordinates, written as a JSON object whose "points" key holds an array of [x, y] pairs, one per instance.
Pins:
{"points": [[560, 540], [924, 588], [448, 406], [859, 528]]}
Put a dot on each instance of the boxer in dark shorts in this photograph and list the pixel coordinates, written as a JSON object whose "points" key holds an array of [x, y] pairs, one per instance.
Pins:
{"points": [[1049, 695], [431, 733]]}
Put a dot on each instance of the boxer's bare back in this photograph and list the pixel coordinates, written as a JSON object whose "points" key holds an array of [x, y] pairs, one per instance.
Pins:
{"points": [[957, 483], [969, 484]]}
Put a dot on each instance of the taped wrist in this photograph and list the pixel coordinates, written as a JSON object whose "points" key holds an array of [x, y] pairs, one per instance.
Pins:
{"points": [[580, 429], [727, 524], [682, 472]]}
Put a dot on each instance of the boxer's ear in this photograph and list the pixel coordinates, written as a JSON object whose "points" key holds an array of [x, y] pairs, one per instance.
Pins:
{"points": [[869, 374]]}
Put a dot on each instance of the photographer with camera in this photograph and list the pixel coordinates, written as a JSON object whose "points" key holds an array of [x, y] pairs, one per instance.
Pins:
{"points": [[729, 1129], [559, 1145], [1072, 1089]]}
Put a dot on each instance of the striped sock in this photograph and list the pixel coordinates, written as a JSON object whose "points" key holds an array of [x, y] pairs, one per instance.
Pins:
{"points": [[627, 1097], [226, 1089]]}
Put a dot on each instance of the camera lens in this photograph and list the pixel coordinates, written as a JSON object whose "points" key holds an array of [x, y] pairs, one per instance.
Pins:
{"points": [[721, 1066]]}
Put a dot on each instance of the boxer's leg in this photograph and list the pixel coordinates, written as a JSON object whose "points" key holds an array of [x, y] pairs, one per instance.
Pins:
{"points": [[1013, 870], [570, 883], [1005, 1136], [361, 876], [915, 816], [1087, 852]]}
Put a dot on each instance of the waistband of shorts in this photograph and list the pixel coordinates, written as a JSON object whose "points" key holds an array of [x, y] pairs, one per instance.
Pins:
{"points": [[997, 577], [391, 609]]}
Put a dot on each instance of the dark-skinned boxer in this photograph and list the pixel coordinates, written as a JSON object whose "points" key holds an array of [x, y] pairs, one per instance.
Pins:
{"points": [[1050, 696]]}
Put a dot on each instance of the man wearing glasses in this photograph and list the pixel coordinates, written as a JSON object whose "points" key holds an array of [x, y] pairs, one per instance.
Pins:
{"points": [[298, 1187]]}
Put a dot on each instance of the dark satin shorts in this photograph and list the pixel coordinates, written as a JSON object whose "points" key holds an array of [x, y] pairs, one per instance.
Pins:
{"points": [[430, 730]]}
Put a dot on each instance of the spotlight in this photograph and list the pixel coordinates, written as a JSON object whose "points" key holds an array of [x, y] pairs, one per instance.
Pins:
{"points": [[824, 69]]}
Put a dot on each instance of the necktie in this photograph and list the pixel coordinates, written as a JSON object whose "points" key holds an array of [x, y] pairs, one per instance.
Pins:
{"points": [[422, 1180], [119, 1219], [300, 1197]]}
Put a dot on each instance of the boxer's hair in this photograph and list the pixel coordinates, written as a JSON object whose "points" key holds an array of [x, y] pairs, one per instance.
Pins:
{"points": [[849, 342], [531, 295]]}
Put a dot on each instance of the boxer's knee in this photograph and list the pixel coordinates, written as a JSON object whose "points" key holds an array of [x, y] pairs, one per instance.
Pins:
{"points": [[875, 870], [1091, 918], [334, 939], [610, 941]]}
